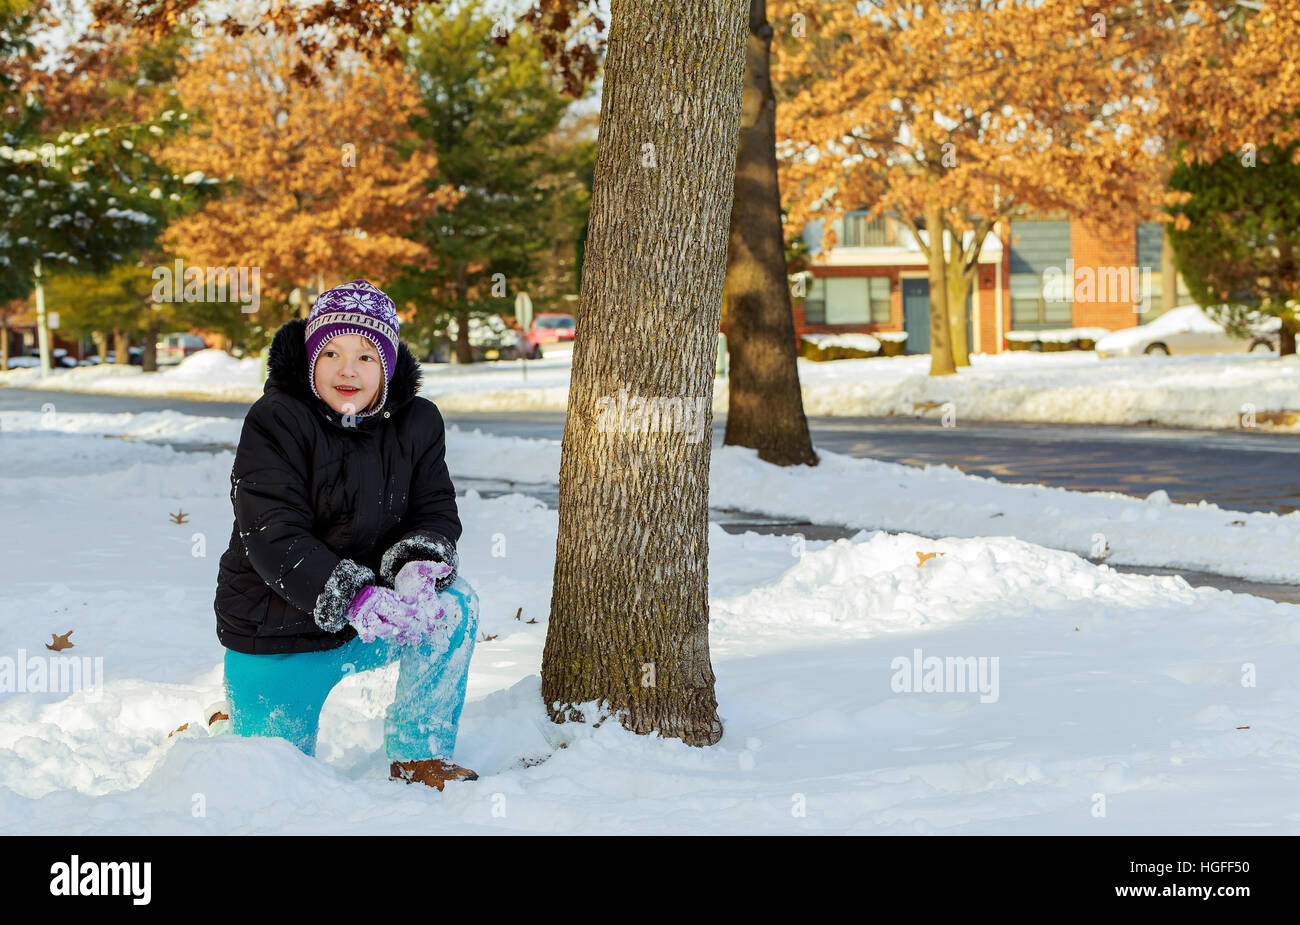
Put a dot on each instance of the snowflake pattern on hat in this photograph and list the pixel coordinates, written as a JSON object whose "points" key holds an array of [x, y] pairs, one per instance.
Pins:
{"points": [[357, 296]]}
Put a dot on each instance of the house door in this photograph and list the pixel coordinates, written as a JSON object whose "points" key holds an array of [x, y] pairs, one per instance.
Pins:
{"points": [[916, 314]]}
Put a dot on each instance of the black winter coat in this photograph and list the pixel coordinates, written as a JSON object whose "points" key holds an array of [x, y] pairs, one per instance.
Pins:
{"points": [[325, 506]]}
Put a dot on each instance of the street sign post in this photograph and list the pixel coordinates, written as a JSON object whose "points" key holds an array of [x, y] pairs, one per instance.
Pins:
{"points": [[524, 315]]}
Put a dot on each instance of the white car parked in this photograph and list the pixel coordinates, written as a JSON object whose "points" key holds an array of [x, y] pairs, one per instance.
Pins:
{"points": [[1187, 330]]}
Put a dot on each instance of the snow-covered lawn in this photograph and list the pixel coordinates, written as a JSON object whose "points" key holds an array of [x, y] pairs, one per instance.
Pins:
{"points": [[1103, 703], [1216, 391]]}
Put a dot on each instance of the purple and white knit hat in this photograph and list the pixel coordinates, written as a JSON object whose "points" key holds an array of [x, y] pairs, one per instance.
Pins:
{"points": [[357, 307]]}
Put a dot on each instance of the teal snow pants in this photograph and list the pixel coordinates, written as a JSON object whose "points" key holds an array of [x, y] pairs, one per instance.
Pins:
{"points": [[282, 695]]}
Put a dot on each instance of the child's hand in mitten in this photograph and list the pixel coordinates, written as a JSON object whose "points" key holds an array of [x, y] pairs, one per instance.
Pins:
{"points": [[383, 613], [416, 581]]}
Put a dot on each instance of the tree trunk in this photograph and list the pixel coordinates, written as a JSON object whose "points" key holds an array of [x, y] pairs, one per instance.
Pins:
{"points": [[764, 406], [149, 356], [1286, 338], [121, 347], [629, 624], [463, 352], [1168, 276], [101, 345], [941, 358], [4, 343], [958, 287]]}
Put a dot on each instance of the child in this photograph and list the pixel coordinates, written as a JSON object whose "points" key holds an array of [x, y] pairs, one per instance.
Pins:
{"points": [[343, 553]]}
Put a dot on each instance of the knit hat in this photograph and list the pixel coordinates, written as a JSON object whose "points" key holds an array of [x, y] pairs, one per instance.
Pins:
{"points": [[360, 308]]}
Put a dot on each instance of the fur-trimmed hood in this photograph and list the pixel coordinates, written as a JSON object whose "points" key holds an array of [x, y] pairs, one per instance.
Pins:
{"points": [[286, 371]]}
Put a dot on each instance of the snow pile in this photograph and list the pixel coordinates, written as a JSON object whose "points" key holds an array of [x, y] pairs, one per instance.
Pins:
{"points": [[217, 366], [1211, 391], [865, 342], [209, 374], [1057, 335]]}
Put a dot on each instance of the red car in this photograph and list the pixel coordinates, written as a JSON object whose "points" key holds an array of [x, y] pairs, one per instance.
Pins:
{"points": [[548, 328]]}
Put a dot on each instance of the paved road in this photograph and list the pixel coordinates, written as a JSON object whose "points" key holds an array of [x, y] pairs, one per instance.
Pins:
{"points": [[1237, 470]]}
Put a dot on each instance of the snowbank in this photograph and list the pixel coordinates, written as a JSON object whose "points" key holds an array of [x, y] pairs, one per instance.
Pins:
{"points": [[1226, 392]]}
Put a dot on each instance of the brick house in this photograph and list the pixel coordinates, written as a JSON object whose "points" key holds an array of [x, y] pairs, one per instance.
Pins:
{"points": [[21, 331], [876, 279]]}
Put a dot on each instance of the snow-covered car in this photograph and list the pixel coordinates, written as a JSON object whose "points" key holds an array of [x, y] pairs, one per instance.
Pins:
{"points": [[490, 338], [1187, 330], [18, 362]]}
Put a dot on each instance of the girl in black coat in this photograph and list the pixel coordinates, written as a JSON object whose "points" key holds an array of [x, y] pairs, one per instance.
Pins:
{"points": [[343, 552]]}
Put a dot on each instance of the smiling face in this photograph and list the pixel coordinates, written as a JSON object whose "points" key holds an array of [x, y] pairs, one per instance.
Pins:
{"points": [[349, 373]]}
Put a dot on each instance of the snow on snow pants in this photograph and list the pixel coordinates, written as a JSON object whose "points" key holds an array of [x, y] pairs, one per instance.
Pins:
{"points": [[282, 695]]}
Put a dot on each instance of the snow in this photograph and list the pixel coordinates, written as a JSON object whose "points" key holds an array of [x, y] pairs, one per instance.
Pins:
{"points": [[865, 342], [1135, 688], [856, 493], [1228, 392], [1058, 335]]}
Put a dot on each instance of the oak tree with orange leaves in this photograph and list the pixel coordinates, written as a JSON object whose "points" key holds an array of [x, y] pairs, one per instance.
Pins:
{"points": [[329, 180], [957, 116]]}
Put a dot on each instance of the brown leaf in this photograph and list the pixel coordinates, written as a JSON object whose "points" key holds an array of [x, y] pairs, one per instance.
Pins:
{"points": [[179, 517], [923, 556], [60, 642], [519, 612], [487, 638]]}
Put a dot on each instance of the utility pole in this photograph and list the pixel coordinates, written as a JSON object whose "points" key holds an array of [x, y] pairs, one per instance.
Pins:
{"points": [[42, 335]]}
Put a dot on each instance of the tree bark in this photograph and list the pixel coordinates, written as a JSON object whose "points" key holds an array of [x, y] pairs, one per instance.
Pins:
{"points": [[149, 354], [958, 287], [629, 624], [941, 358], [4, 343], [121, 347], [1168, 276], [764, 405], [1286, 337], [463, 352]]}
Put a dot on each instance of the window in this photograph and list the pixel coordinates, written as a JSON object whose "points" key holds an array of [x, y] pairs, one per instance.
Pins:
{"points": [[814, 305], [1036, 248], [878, 292], [858, 232], [848, 300], [1029, 307]]}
